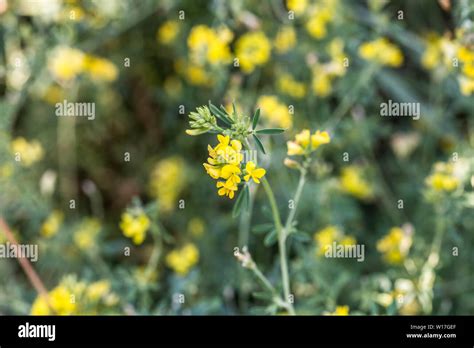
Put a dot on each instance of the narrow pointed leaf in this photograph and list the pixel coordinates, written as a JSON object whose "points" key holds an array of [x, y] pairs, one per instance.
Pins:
{"points": [[259, 144], [256, 116], [270, 131], [219, 114], [238, 204]]}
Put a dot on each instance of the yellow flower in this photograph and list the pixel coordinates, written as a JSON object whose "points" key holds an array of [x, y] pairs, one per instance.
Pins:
{"points": [[325, 237], [167, 180], [98, 290], [285, 39], [60, 299], [443, 179], [207, 44], [167, 32], [85, 236], [274, 111], [196, 227], [466, 85], [182, 260], [382, 52], [353, 183], [305, 143], [395, 245], [100, 69], [253, 172], [66, 63], [297, 6], [231, 172], [252, 50], [27, 153], [340, 310], [227, 188], [193, 73], [54, 94], [135, 226], [318, 21], [289, 86], [321, 83], [52, 224]]}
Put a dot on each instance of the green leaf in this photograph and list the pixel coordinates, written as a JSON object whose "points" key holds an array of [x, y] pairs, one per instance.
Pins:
{"points": [[259, 143], [270, 239], [300, 237], [270, 131], [234, 110], [240, 203], [262, 228], [255, 118], [219, 114]]}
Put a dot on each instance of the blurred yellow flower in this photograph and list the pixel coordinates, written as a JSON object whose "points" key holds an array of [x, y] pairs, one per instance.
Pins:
{"points": [[285, 39], [51, 225], [54, 94], [289, 86], [167, 180], [340, 310], [318, 21], [353, 183], [395, 245], [297, 6], [100, 69], [196, 227], [60, 299], [168, 32], [382, 52], [443, 178], [98, 290], [205, 44], [305, 142], [85, 236], [26, 153], [466, 85], [135, 226], [329, 234], [194, 74], [252, 50], [274, 111], [182, 260], [66, 63]]}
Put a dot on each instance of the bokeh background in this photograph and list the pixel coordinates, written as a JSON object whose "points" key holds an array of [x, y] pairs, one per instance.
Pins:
{"points": [[128, 222]]}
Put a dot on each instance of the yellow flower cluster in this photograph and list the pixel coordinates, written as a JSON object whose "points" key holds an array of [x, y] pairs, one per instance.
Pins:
{"points": [[168, 32], [381, 51], [135, 226], [252, 50], [274, 111], [182, 260], [196, 227], [340, 310], [443, 178], [225, 162], [443, 52], [85, 236], [353, 183], [325, 73], [51, 225], [305, 142], [210, 45], [395, 245], [289, 86], [167, 180], [66, 63], [329, 234], [285, 39], [297, 6], [72, 297], [25, 152], [320, 16], [194, 73]]}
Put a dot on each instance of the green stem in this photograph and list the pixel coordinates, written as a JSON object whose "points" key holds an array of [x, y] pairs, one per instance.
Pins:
{"points": [[281, 244], [296, 200]]}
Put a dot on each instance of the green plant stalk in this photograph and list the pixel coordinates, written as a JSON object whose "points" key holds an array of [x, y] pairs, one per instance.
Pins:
{"points": [[281, 244], [296, 199]]}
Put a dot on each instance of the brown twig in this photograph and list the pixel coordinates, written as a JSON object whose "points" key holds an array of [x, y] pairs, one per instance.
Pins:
{"points": [[30, 272]]}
